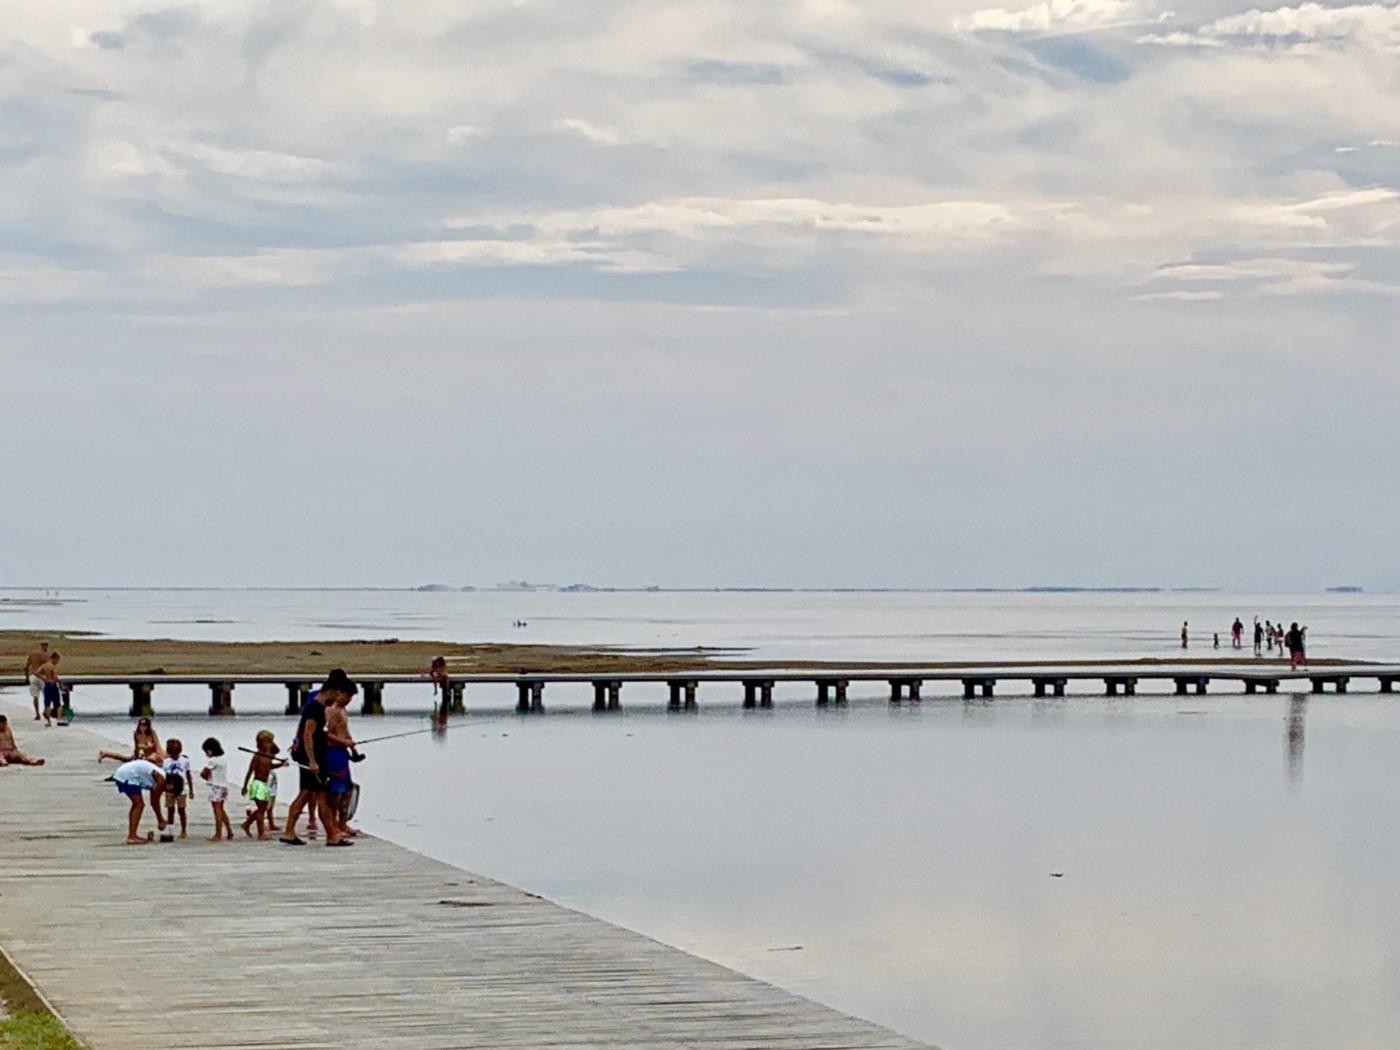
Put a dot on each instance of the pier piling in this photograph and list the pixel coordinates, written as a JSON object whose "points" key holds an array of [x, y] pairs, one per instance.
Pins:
{"points": [[529, 697], [221, 698], [373, 698], [141, 700], [296, 697], [607, 695]]}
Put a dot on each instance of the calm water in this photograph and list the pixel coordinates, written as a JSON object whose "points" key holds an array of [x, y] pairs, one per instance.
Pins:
{"points": [[1225, 865]]}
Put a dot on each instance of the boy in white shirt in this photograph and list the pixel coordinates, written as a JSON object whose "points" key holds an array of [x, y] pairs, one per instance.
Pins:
{"points": [[178, 785]]}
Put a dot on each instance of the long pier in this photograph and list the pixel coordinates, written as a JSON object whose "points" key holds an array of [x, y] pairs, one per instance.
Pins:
{"points": [[830, 685], [252, 944]]}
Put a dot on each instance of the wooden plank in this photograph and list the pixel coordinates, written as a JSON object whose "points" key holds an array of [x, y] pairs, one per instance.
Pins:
{"points": [[250, 945]]}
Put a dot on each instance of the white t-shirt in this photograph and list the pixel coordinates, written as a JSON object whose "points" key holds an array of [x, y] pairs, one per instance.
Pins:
{"points": [[179, 765], [218, 771], [138, 771]]}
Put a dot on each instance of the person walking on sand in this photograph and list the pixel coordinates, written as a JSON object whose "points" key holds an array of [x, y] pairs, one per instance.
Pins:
{"points": [[1185, 636], [1258, 637], [309, 751], [10, 754], [37, 658], [1237, 634]]}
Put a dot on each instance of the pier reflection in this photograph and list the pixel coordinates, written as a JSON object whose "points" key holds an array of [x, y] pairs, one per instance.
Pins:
{"points": [[1293, 737]]}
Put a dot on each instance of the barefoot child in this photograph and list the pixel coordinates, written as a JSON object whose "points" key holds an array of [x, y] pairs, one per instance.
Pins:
{"points": [[272, 798], [178, 786], [255, 783], [215, 771], [10, 754], [131, 779]]}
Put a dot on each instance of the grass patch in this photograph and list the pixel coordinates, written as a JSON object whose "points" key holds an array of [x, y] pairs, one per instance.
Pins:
{"points": [[31, 1031], [26, 1023]]}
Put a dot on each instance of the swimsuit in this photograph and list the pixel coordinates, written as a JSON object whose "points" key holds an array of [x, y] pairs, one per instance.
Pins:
{"points": [[338, 770], [258, 791]]}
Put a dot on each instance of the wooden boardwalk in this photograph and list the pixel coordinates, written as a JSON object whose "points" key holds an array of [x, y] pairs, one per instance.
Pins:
{"points": [[831, 683], [256, 945]]}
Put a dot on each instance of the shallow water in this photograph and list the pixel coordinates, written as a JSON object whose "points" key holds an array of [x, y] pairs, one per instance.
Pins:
{"points": [[1193, 872]]}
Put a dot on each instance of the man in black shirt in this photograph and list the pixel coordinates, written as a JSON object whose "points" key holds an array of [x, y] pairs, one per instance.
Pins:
{"points": [[309, 752]]}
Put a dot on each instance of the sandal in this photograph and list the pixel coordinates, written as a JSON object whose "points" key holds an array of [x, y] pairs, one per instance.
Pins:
{"points": [[340, 842], [292, 841]]}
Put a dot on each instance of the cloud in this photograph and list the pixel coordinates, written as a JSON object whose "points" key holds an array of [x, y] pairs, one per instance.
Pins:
{"points": [[1179, 297], [459, 133], [1302, 27], [600, 136], [1052, 15]]}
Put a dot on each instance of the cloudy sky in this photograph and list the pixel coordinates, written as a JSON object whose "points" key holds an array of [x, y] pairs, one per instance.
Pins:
{"points": [[783, 292]]}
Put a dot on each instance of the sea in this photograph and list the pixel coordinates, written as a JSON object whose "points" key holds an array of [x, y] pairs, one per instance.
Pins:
{"points": [[1151, 872]]}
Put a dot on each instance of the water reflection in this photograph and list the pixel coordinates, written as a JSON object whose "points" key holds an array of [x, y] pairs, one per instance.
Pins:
{"points": [[1297, 709], [911, 857]]}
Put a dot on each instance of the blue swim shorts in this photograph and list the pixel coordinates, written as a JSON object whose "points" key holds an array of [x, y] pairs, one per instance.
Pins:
{"points": [[129, 790]]}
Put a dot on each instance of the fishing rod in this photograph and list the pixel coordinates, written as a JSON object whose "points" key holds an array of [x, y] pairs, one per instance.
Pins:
{"points": [[358, 744], [352, 805], [395, 736]]}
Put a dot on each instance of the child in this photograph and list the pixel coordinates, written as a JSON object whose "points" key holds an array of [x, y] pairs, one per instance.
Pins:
{"points": [[255, 783], [10, 754], [216, 772], [131, 779], [272, 799], [177, 784]]}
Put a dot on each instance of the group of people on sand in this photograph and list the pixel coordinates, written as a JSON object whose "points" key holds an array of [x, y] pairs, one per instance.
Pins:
{"points": [[323, 752], [41, 671], [1267, 637]]}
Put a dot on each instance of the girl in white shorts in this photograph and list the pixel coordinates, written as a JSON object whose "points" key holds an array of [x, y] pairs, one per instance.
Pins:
{"points": [[215, 771]]}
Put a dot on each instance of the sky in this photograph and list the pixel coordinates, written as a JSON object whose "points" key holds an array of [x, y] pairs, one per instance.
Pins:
{"points": [[788, 293]]}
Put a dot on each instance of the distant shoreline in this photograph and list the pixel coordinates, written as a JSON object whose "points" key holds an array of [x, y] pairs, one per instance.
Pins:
{"points": [[86, 653], [53, 593]]}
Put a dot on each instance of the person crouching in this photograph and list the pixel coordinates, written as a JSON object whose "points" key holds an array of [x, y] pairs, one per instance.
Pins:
{"points": [[132, 778]]}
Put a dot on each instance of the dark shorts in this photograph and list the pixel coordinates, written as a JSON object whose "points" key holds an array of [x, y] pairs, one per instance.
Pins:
{"points": [[129, 790], [52, 697], [337, 770], [312, 781]]}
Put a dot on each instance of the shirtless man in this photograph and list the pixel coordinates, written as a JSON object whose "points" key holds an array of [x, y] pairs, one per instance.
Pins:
{"points": [[340, 747], [53, 690], [310, 753], [10, 754], [37, 659]]}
